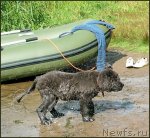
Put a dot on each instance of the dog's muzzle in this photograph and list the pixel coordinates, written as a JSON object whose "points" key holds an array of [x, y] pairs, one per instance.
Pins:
{"points": [[117, 87]]}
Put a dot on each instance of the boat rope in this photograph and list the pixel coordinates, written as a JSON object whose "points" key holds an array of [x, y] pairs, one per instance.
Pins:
{"points": [[99, 33], [56, 47]]}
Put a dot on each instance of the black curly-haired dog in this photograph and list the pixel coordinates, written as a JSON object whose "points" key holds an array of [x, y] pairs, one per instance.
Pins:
{"points": [[82, 86]]}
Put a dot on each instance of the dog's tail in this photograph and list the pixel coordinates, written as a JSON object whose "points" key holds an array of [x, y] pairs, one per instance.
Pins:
{"points": [[32, 88]]}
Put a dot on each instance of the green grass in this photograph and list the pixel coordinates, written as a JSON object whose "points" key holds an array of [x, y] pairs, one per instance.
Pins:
{"points": [[134, 46], [131, 18]]}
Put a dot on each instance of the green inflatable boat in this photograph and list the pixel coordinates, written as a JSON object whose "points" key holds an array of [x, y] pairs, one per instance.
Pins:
{"points": [[27, 53]]}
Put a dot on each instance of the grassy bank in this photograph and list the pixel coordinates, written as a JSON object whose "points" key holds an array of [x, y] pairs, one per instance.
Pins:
{"points": [[131, 18]]}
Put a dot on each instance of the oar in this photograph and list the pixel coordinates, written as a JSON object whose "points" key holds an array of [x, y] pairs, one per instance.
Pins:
{"points": [[15, 31], [19, 41]]}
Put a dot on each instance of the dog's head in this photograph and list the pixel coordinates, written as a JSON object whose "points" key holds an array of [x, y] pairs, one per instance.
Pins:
{"points": [[108, 80]]}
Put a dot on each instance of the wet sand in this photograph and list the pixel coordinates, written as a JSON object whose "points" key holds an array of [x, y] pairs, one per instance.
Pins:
{"points": [[125, 113]]}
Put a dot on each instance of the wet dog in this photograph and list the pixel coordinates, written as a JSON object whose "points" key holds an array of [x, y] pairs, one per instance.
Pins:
{"points": [[82, 86]]}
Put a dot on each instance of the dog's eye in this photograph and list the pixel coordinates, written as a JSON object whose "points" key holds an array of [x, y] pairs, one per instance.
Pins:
{"points": [[117, 78]]}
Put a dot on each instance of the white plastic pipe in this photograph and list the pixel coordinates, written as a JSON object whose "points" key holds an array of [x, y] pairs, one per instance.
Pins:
{"points": [[19, 41], [15, 31]]}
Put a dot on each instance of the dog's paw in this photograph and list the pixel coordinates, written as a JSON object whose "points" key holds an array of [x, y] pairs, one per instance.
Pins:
{"points": [[58, 115], [46, 121], [88, 119]]}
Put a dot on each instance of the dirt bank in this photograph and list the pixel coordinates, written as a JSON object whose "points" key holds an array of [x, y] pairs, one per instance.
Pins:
{"points": [[125, 113]]}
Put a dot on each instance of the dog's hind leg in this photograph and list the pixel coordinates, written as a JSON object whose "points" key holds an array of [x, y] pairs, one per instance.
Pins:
{"points": [[42, 110], [52, 110], [87, 110], [55, 113]]}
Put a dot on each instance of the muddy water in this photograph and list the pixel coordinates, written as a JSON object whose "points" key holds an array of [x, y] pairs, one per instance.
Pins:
{"points": [[125, 110]]}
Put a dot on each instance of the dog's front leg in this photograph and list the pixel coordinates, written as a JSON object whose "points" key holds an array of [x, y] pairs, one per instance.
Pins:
{"points": [[87, 110]]}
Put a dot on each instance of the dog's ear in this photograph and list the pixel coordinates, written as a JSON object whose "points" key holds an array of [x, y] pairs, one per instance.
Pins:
{"points": [[108, 66], [109, 73]]}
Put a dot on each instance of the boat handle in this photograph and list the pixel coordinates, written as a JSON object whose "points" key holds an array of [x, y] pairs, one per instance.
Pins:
{"points": [[31, 39], [25, 30], [65, 34]]}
